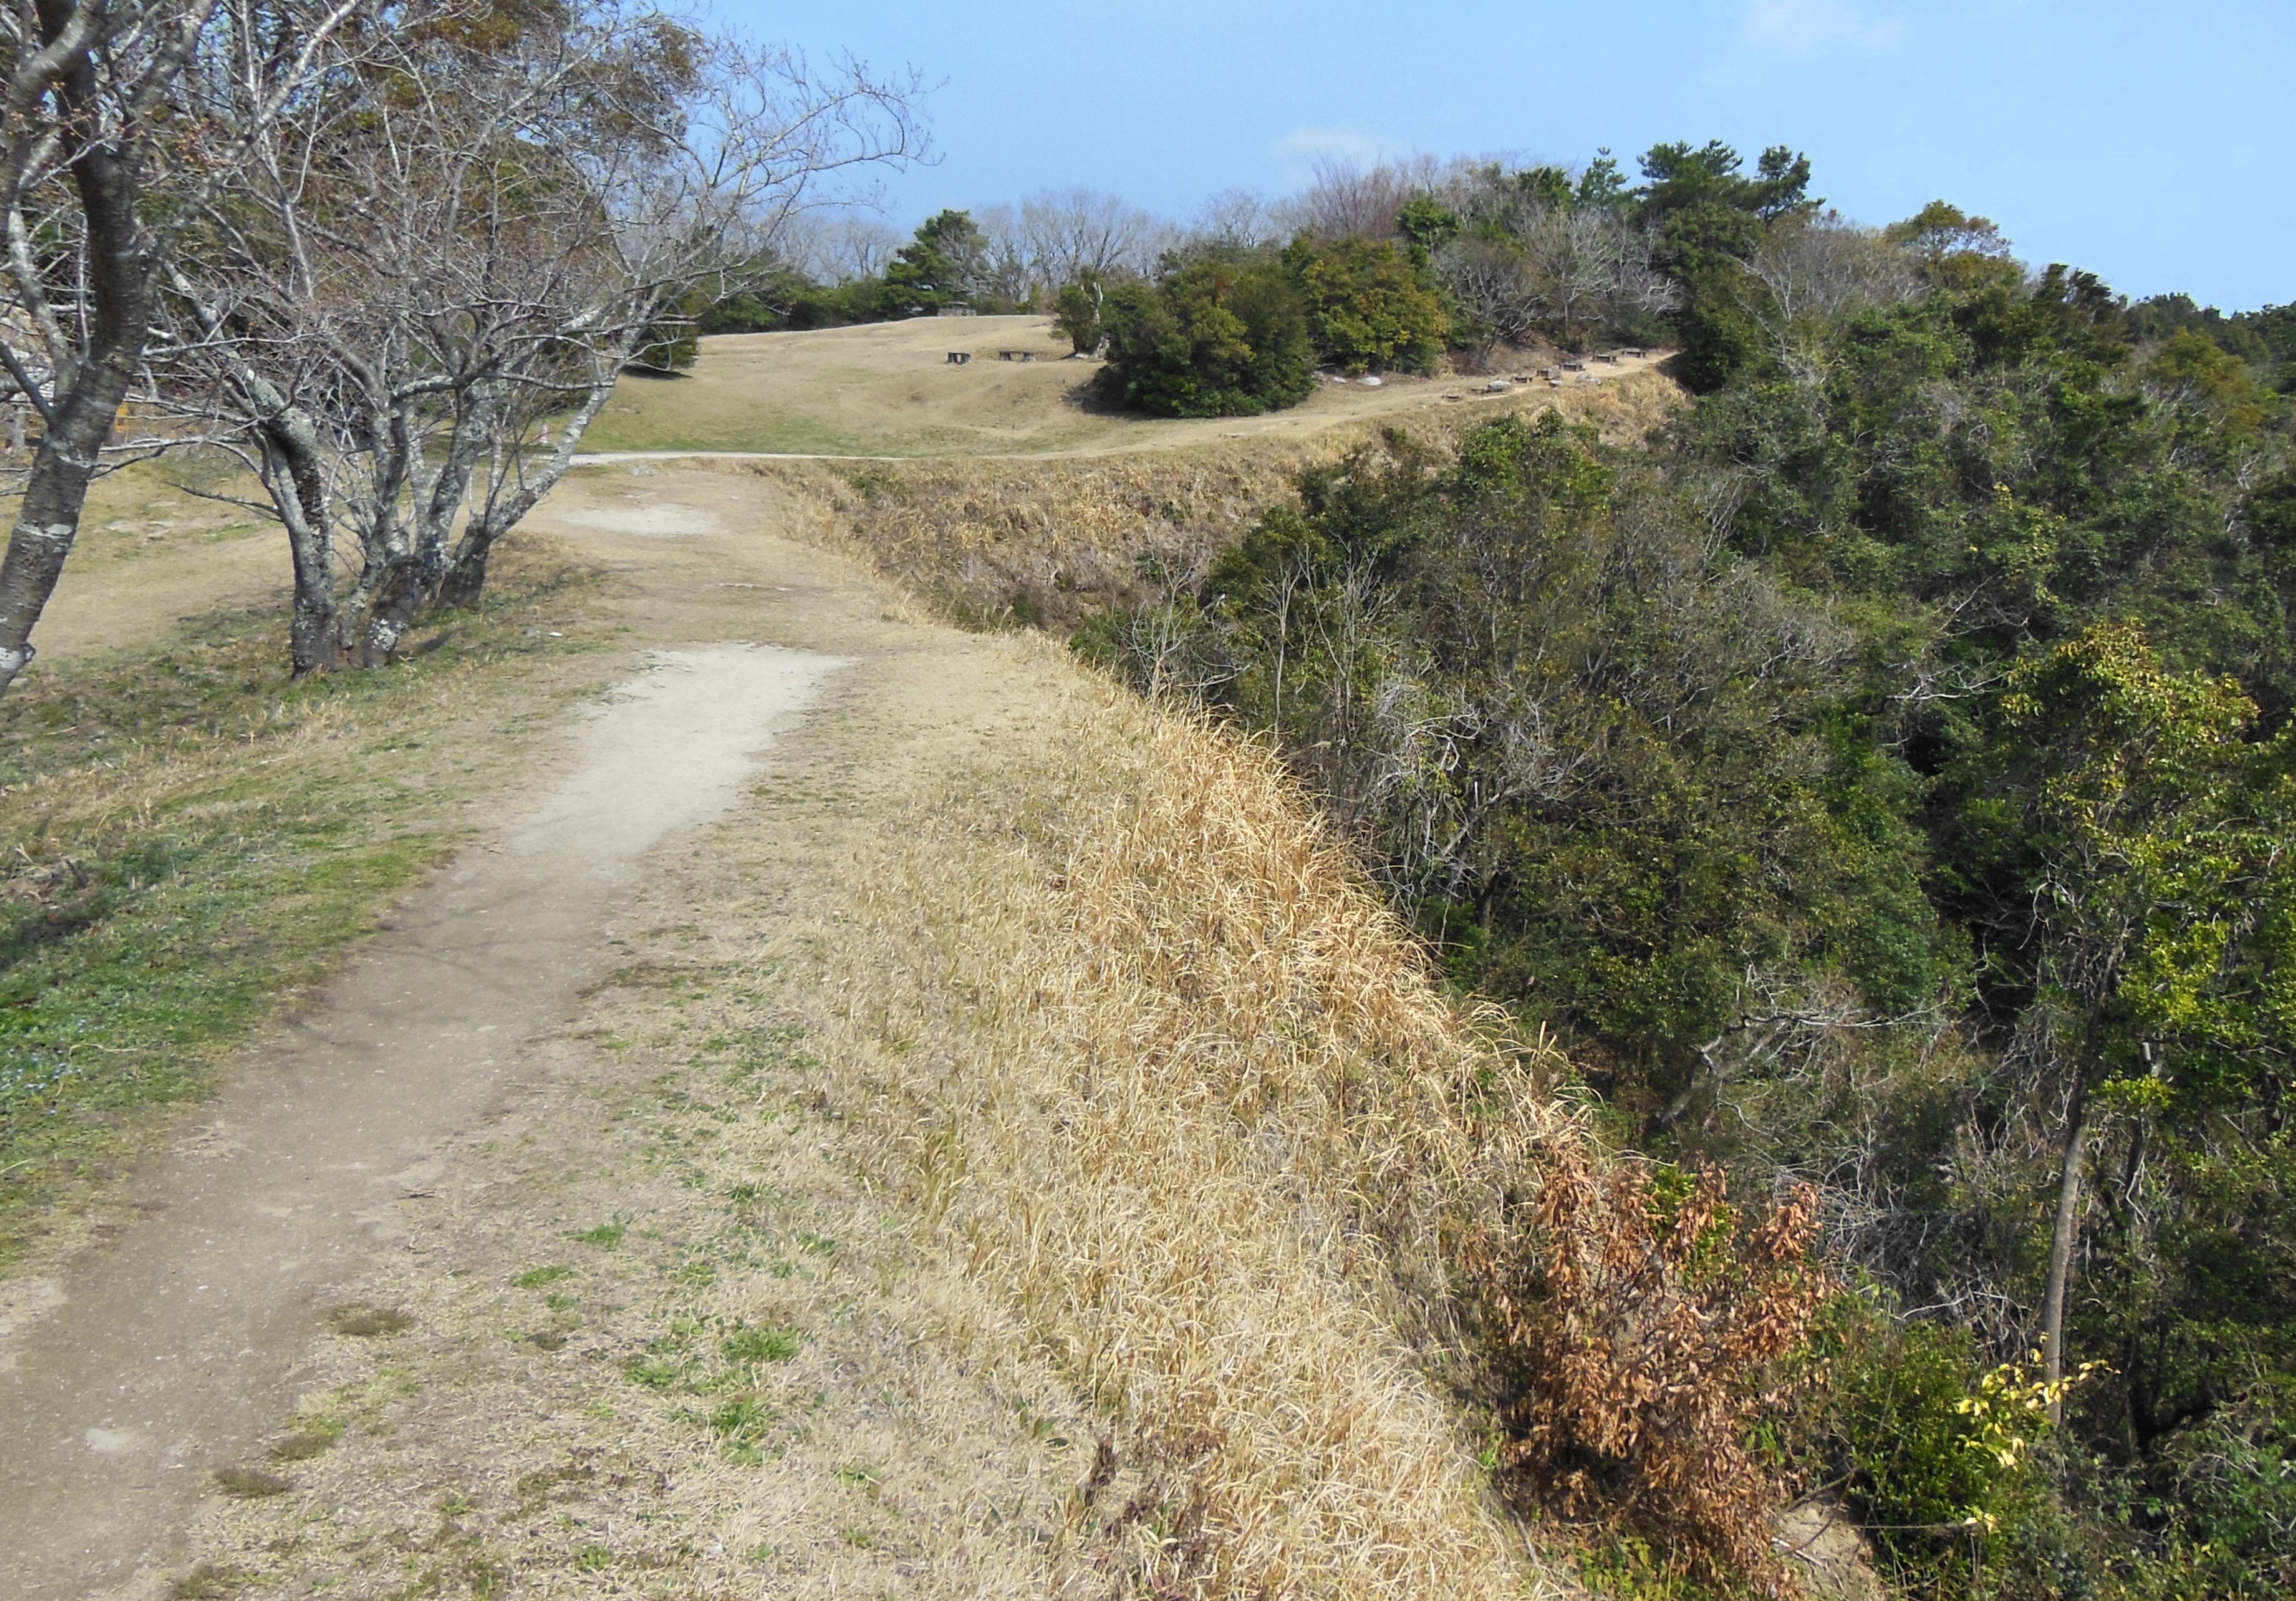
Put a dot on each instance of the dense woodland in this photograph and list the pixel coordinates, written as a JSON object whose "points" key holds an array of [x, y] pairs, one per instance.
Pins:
{"points": [[1883, 779]]}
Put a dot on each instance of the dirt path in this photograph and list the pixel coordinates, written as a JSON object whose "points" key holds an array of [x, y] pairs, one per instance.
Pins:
{"points": [[348, 1185], [185, 1332]]}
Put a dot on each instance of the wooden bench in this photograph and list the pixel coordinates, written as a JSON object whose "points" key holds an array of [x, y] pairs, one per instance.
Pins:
{"points": [[957, 358], [1016, 355]]}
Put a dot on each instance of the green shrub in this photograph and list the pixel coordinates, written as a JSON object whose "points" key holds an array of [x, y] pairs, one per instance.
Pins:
{"points": [[1224, 335], [1075, 313], [1896, 1395], [2228, 1502], [1370, 306]]}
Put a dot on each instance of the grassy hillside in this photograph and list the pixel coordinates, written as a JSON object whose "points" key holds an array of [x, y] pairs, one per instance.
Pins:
{"points": [[887, 388]]}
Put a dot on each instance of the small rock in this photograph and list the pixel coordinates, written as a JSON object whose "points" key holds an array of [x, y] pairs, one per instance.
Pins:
{"points": [[1818, 1537]]}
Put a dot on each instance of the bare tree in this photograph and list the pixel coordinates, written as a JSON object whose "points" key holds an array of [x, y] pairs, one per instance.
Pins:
{"points": [[435, 263], [838, 246], [1235, 220], [1004, 271], [88, 131], [1054, 238], [1533, 239], [1576, 258], [687, 211], [1342, 199], [1491, 282], [1824, 268], [1069, 232], [1590, 265]]}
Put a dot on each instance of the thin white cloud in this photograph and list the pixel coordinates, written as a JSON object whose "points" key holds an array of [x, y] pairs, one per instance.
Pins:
{"points": [[1300, 152], [1809, 27]]}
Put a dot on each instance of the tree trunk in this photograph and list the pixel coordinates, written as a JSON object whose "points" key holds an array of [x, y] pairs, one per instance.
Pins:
{"points": [[465, 578], [291, 447], [418, 576], [2061, 1241], [295, 477], [80, 416], [465, 582]]}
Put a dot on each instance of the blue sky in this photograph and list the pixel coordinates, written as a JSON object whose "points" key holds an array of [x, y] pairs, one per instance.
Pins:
{"points": [[2154, 143]]}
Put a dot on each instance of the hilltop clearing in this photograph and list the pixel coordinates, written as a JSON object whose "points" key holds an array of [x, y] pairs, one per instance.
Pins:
{"points": [[888, 389]]}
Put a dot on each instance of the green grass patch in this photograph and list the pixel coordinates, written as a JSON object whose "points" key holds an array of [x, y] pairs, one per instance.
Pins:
{"points": [[250, 1484], [605, 1235], [742, 1419], [115, 985], [534, 1278], [311, 1440], [746, 1345], [187, 839]]}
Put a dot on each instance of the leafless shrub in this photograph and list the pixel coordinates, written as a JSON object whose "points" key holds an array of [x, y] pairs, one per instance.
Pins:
{"points": [[1638, 1348]]}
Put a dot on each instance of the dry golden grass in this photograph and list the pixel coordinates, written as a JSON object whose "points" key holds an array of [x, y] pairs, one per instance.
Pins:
{"points": [[887, 390], [1163, 1069]]}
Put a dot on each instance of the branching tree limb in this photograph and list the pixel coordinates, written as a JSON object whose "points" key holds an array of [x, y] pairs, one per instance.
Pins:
{"points": [[90, 133]]}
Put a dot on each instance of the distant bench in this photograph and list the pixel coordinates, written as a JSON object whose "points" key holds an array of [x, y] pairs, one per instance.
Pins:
{"points": [[957, 358], [1016, 355]]}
